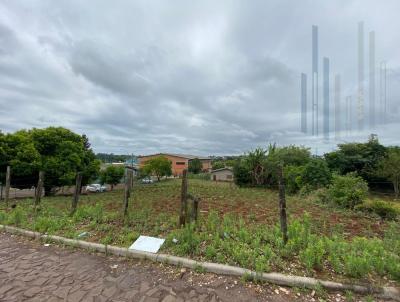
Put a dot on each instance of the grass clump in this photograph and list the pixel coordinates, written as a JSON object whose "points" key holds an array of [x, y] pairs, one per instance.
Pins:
{"points": [[381, 208]]}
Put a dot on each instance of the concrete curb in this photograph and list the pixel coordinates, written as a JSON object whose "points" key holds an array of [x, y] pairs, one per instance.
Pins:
{"points": [[274, 278]]}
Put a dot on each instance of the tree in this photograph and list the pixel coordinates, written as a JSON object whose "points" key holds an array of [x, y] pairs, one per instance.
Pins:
{"points": [[56, 151], [158, 166], [112, 175], [362, 158], [389, 167], [195, 166], [255, 160], [218, 165]]}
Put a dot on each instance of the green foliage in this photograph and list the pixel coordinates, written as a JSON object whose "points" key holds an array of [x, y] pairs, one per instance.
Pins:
{"points": [[112, 175], [112, 158], [188, 240], [45, 224], [315, 174], [255, 162], [290, 155], [16, 217], [293, 178], [159, 166], [241, 173], [389, 167], [195, 166], [312, 176], [379, 207], [360, 158], [57, 151], [347, 191], [218, 165]]}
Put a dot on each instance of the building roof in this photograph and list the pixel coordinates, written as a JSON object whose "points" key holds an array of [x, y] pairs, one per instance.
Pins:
{"points": [[221, 169], [186, 156]]}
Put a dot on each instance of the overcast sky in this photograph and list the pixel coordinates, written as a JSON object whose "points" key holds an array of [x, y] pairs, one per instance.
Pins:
{"points": [[200, 77]]}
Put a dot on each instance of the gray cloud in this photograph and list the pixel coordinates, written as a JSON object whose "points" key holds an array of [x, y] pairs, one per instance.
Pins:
{"points": [[201, 77]]}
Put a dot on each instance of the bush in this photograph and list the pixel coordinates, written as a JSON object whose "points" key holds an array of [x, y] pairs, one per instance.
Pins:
{"points": [[347, 191], [241, 173], [315, 174], [292, 178], [381, 208]]}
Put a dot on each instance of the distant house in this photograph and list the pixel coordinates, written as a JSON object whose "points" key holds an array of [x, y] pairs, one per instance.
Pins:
{"points": [[131, 163], [223, 174], [179, 161]]}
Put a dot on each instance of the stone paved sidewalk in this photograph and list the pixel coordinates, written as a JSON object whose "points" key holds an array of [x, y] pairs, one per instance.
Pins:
{"points": [[31, 271]]}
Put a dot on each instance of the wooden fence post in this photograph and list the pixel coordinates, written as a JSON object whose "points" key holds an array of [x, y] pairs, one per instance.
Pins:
{"points": [[39, 189], [195, 209], [77, 191], [184, 190], [8, 180], [282, 204], [127, 192]]}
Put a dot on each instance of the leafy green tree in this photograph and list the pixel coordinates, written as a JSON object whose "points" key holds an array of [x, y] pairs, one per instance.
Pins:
{"points": [[195, 166], [112, 175], [57, 151], [292, 155], [159, 166], [389, 167], [218, 165], [362, 158]]}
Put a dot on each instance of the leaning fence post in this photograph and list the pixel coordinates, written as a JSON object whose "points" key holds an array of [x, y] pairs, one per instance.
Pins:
{"points": [[8, 180], [77, 191], [39, 189], [184, 189], [282, 204], [127, 192]]}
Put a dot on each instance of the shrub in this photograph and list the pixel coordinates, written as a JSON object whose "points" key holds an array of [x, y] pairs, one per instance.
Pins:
{"points": [[313, 255], [47, 224], [241, 173], [381, 208], [17, 217], [292, 178], [347, 191], [315, 174]]}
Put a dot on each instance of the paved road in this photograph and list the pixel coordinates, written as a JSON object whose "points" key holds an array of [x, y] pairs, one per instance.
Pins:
{"points": [[31, 271]]}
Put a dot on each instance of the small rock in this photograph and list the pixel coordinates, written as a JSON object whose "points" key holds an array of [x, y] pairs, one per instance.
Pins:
{"points": [[276, 291], [313, 293], [284, 290]]}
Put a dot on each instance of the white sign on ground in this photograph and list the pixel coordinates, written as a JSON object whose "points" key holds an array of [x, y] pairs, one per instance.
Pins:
{"points": [[147, 244]]}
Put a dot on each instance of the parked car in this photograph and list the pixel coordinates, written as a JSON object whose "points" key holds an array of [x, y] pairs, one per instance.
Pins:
{"points": [[147, 180], [95, 188]]}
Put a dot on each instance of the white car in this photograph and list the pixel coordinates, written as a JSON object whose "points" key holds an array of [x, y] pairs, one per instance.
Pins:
{"points": [[95, 188], [147, 180]]}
